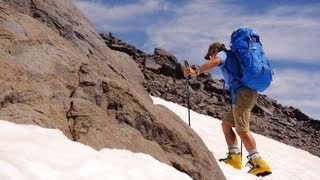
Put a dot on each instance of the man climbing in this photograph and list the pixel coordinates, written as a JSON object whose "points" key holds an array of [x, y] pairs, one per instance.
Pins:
{"points": [[239, 116]]}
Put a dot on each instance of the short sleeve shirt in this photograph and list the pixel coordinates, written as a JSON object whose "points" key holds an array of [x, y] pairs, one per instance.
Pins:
{"points": [[223, 56]]}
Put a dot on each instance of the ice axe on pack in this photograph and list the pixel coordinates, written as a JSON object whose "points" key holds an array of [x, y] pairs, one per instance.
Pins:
{"points": [[186, 64]]}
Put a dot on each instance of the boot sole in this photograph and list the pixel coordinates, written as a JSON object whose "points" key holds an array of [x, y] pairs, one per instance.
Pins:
{"points": [[263, 174]]}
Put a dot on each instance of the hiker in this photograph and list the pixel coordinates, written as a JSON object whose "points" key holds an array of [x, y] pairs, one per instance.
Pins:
{"points": [[239, 115]]}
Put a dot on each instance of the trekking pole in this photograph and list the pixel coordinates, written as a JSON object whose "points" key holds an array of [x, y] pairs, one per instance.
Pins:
{"points": [[186, 64], [241, 149]]}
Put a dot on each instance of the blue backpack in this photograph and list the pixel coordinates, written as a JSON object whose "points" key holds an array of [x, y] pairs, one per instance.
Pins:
{"points": [[255, 67]]}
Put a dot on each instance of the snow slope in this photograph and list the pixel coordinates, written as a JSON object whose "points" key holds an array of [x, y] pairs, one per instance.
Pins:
{"points": [[31, 152]]}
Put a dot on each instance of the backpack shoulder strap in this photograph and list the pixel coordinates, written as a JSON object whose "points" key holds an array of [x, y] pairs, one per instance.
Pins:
{"points": [[233, 86]]}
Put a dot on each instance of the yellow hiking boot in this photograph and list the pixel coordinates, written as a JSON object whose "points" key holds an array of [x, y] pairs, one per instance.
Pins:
{"points": [[234, 159], [259, 167]]}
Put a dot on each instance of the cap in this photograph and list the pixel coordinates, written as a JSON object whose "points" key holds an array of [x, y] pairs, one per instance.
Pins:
{"points": [[211, 48]]}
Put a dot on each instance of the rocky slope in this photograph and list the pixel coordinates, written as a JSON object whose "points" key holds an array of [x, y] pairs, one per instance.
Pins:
{"points": [[57, 72], [164, 78]]}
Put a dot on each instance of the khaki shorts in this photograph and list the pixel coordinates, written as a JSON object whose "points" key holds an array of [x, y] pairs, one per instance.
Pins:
{"points": [[239, 115]]}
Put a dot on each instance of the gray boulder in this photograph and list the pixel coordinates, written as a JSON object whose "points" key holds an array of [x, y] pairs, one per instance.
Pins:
{"points": [[56, 72]]}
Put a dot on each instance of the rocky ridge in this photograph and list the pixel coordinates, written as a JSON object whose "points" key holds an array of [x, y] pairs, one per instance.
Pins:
{"points": [[164, 78]]}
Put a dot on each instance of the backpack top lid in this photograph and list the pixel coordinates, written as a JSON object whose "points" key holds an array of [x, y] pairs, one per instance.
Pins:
{"points": [[241, 37]]}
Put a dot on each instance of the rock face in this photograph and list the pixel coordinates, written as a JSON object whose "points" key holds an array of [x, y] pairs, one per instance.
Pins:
{"points": [[285, 124], [57, 72]]}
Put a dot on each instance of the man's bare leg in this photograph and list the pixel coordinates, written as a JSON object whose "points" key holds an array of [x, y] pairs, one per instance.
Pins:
{"points": [[229, 134]]}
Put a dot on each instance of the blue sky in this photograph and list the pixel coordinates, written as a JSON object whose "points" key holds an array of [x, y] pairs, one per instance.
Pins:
{"points": [[289, 30]]}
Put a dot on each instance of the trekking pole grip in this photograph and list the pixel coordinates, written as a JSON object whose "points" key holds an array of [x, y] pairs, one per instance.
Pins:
{"points": [[186, 64]]}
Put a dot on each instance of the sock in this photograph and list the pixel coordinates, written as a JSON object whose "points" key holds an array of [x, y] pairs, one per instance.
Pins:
{"points": [[234, 149], [253, 154]]}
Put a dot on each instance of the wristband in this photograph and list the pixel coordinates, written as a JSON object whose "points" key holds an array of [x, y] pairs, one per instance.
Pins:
{"points": [[198, 72]]}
